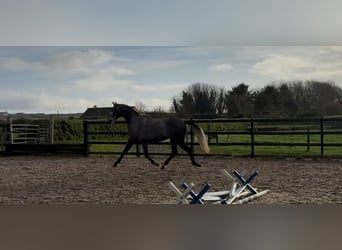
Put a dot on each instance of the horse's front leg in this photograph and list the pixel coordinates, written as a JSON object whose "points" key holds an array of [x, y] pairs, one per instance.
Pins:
{"points": [[127, 147]]}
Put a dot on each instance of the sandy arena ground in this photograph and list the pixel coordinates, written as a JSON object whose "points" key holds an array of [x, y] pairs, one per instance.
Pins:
{"points": [[74, 180]]}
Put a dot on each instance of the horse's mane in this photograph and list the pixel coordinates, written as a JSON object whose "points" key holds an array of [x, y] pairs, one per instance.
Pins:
{"points": [[133, 108]]}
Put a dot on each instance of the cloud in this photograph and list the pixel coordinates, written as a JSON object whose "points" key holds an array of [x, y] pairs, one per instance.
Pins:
{"points": [[12, 101], [153, 95], [98, 67], [52, 104], [15, 100], [160, 87], [117, 71], [319, 66], [17, 64], [79, 61], [221, 67], [91, 69], [102, 82], [156, 102], [88, 61]]}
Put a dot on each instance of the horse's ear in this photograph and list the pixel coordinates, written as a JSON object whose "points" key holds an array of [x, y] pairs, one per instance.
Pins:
{"points": [[114, 103]]}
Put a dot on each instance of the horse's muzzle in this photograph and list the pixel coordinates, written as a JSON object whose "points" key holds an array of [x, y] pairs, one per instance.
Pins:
{"points": [[112, 120]]}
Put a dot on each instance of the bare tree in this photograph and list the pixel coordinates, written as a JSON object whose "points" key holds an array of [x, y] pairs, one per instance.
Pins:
{"points": [[159, 109], [140, 106]]}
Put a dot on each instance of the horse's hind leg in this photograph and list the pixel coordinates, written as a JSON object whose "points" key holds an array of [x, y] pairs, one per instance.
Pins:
{"points": [[145, 147], [173, 153], [187, 149]]}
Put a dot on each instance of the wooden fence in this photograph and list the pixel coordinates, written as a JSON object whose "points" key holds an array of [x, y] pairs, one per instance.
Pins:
{"points": [[2, 136], [252, 129], [319, 137]]}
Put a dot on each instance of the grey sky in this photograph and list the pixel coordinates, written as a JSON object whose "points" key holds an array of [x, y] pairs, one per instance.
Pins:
{"points": [[177, 22], [134, 53]]}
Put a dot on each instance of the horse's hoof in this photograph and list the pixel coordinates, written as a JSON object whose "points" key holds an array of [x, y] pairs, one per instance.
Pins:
{"points": [[115, 165], [197, 164], [162, 166]]}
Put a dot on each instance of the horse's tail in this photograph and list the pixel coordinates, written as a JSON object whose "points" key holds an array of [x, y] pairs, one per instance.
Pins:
{"points": [[202, 139]]}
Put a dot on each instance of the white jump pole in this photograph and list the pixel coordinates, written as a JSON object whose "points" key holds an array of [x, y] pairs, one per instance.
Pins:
{"points": [[235, 194], [240, 192], [251, 197]]}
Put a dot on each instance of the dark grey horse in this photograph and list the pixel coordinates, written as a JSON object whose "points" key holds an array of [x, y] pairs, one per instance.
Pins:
{"points": [[143, 129]]}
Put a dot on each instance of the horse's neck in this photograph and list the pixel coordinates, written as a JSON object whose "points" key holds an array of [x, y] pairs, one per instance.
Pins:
{"points": [[129, 115]]}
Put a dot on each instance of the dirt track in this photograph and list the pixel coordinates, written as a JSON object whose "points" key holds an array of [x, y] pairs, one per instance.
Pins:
{"points": [[72, 180]]}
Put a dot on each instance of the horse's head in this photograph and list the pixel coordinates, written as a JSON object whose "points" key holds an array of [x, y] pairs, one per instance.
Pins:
{"points": [[116, 112], [122, 110]]}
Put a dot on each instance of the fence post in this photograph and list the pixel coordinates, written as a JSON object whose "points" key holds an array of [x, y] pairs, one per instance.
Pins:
{"points": [[8, 144], [85, 138], [252, 137], [308, 139], [52, 130], [191, 138], [138, 150], [10, 135], [322, 136]]}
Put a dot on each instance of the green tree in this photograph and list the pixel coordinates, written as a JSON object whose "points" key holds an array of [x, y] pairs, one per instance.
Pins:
{"points": [[322, 93], [238, 101], [199, 99], [287, 102], [267, 101]]}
